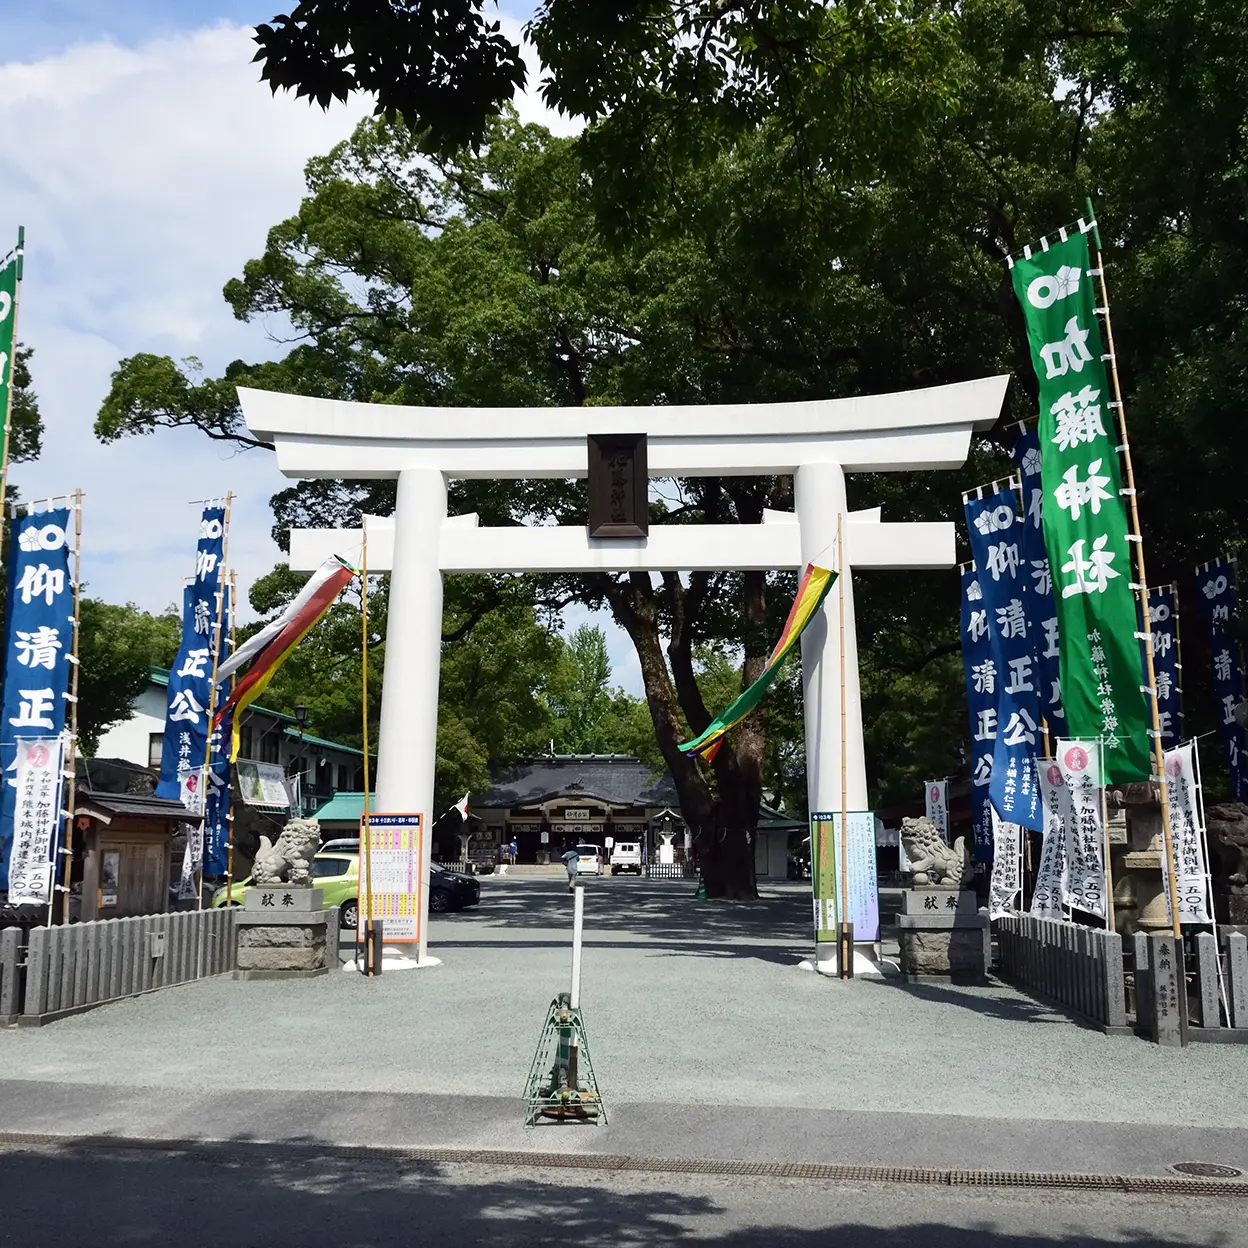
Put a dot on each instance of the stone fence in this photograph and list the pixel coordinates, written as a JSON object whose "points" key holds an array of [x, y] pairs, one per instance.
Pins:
{"points": [[70, 969], [1078, 967]]}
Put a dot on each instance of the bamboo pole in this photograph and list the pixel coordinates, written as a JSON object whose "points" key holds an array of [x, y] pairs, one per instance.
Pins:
{"points": [[366, 837], [8, 405], [1110, 918], [229, 836], [70, 763], [847, 955], [212, 700], [1142, 577]]}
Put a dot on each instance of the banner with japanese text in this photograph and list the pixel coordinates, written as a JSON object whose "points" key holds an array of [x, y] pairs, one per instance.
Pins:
{"points": [[981, 702], [217, 814], [38, 644], [37, 819], [936, 805], [1038, 594], [1083, 775], [996, 531], [1083, 517], [1005, 886], [10, 268], [863, 903], [1052, 883], [1218, 605], [184, 750], [1163, 615], [1187, 832]]}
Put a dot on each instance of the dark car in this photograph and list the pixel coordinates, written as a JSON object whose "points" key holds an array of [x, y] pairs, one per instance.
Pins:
{"points": [[451, 890]]}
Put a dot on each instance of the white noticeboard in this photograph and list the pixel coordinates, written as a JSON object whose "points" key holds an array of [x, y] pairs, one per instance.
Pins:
{"points": [[262, 784], [395, 846], [864, 899]]}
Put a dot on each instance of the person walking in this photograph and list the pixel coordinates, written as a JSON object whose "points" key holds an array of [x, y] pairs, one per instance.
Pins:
{"points": [[511, 850], [571, 859]]}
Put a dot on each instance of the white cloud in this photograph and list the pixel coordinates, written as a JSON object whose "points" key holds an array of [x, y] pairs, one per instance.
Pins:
{"points": [[146, 176]]}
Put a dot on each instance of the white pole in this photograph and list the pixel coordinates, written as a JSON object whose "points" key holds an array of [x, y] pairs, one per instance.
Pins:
{"points": [[408, 732], [578, 924]]}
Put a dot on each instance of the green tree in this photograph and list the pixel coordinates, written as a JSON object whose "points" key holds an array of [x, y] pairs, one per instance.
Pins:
{"points": [[117, 648], [591, 715]]}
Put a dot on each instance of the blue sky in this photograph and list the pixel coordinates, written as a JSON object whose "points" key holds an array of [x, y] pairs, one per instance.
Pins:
{"points": [[147, 163]]}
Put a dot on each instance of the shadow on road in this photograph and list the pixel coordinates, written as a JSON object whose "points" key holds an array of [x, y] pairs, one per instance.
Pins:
{"points": [[204, 1198]]}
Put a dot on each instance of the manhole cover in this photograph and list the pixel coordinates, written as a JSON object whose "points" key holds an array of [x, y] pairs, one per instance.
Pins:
{"points": [[1206, 1170]]}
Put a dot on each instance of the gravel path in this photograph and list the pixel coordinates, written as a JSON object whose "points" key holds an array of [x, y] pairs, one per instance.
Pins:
{"points": [[685, 1002]]}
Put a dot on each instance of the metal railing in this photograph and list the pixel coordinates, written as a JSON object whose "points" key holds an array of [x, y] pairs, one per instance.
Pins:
{"points": [[671, 871], [1078, 967], [70, 969]]}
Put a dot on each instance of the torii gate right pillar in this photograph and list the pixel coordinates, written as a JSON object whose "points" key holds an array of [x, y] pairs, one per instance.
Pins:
{"points": [[819, 491]]}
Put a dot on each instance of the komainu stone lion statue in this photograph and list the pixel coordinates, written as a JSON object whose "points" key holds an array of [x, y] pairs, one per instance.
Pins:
{"points": [[931, 860], [289, 861]]}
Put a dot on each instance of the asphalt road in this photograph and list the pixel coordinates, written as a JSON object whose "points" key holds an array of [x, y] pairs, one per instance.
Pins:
{"points": [[139, 1198]]}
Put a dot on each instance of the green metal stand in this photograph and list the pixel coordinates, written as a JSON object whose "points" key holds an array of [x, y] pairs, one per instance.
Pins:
{"points": [[561, 1082]]}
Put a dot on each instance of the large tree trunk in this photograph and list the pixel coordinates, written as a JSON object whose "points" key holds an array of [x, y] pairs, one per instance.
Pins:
{"points": [[724, 823]]}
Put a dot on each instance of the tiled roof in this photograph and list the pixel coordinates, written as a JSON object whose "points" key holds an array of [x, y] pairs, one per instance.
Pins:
{"points": [[133, 805], [610, 778]]}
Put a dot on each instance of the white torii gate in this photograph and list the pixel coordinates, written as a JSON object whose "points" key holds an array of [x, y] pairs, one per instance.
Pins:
{"points": [[816, 441]]}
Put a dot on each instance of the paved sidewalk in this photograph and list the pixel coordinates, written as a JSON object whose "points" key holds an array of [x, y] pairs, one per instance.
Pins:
{"points": [[706, 1037]]}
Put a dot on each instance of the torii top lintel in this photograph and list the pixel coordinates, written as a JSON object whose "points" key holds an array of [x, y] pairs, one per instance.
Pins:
{"points": [[908, 430]]}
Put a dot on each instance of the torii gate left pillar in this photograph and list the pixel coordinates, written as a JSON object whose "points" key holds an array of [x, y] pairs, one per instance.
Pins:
{"points": [[817, 442]]}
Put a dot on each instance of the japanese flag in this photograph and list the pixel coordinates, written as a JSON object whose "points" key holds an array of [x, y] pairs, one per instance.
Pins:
{"points": [[462, 807]]}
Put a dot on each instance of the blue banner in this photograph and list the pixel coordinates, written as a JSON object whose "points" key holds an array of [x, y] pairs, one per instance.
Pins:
{"points": [[184, 751], [38, 641], [996, 531], [216, 825], [1038, 596], [1215, 596], [1163, 617], [981, 702]]}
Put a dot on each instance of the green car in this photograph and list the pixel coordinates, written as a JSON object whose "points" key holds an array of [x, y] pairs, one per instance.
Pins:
{"points": [[336, 875]]}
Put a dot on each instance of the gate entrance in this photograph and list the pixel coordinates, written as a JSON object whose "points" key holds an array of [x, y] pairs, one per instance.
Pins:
{"points": [[817, 442]]}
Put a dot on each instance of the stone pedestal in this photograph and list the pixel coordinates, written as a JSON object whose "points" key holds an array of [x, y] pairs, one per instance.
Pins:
{"points": [[943, 936], [282, 934]]}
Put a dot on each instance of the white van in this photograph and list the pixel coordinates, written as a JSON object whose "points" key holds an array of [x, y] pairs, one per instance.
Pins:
{"points": [[626, 856]]}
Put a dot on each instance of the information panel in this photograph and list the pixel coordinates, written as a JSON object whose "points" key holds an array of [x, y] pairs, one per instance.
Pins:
{"points": [[395, 844], [864, 898]]}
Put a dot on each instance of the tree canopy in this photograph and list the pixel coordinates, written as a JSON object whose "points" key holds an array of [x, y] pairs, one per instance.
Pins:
{"points": [[802, 201]]}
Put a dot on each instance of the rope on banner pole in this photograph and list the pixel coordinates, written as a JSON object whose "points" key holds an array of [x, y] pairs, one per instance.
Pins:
{"points": [[1142, 578], [365, 922], [198, 873], [229, 819], [844, 942], [69, 764], [1110, 918], [20, 251]]}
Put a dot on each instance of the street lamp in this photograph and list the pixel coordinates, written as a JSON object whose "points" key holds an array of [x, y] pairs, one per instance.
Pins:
{"points": [[301, 722]]}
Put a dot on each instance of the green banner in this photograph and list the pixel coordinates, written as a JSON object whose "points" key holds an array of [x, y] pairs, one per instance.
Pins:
{"points": [[1084, 519], [10, 270]]}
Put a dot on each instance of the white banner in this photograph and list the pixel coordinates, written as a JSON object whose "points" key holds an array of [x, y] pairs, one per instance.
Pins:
{"points": [[1006, 886], [192, 860], [1047, 901], [262, 784], [936, 801], [1080, 762], [35, 819], [1187, 832]]}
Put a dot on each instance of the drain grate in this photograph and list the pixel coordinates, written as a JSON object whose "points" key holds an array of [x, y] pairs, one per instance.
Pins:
{"points": [[1206, 1170], [1206, 1178]]}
